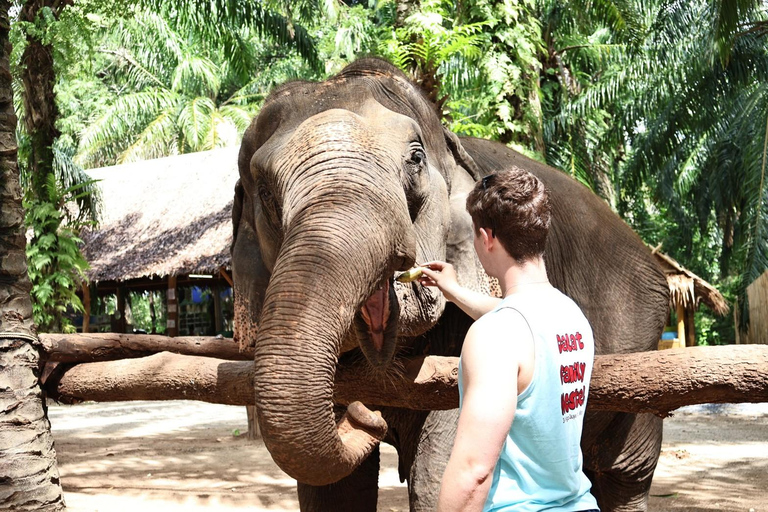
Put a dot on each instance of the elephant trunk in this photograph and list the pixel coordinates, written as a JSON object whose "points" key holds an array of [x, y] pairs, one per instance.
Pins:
{"points": [[322, 276]]}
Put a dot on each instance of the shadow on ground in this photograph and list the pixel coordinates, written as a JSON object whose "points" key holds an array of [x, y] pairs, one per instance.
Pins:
{"points": [[174, 456], [168, 456]]}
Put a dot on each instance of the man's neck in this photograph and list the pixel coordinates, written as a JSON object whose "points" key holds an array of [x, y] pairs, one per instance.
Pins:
{"points": [[519, 277]]}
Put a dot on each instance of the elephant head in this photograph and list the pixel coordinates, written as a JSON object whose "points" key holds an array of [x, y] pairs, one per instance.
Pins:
{"points": [[342, 184]]}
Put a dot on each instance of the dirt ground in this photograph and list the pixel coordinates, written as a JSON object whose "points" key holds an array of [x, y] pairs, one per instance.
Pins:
{"points": [[190, 456]]}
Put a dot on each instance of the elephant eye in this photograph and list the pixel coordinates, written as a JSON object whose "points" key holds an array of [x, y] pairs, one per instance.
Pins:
{"points": [[415, 180], [265, 195], [417, 156], [268, 200]]}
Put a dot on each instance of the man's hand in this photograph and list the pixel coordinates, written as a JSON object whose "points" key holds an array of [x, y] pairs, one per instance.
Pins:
{"points": [[443, 276]]}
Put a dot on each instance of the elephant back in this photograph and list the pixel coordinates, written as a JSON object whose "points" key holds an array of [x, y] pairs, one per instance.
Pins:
{"points": [[593, 256]]}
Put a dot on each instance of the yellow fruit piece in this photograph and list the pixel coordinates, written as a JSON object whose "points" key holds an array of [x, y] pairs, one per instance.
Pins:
{"points": [[409, 275]]}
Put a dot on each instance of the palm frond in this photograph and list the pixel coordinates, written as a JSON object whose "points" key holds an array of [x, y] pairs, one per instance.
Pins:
{"points": [[213, 20], [106, 137], [195, 122], [71, 176], [196, 76], [240, 117], [156, 140]]}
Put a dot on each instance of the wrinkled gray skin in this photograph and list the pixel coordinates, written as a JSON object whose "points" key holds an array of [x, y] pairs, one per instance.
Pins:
{"points": [[344, 183]]}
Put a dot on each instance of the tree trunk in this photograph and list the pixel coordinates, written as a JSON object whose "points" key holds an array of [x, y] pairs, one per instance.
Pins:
{"points": [[120, 321], [40, 111], [29, 476], [647, 382], [152, 314]]}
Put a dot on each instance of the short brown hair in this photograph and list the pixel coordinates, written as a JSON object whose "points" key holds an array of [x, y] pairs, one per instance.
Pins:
{"points": [[514, 204]]}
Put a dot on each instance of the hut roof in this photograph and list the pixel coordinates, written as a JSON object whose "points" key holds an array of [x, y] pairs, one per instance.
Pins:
{"points": [[687, 289], [169, 216]]}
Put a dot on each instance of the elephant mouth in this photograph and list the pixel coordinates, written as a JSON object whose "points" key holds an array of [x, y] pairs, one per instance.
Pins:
{"points": [[376, 324], [375, 312]]}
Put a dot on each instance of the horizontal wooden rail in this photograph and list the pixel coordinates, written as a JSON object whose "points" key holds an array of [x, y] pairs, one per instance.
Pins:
{"points": [[81, 348], [649, 382]]}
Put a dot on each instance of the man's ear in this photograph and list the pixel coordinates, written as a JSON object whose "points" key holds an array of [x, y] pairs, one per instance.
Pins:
{"points": [[487, 237]]}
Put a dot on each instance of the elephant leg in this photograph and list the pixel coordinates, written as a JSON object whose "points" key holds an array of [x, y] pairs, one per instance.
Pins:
{"points": [[621, 461], [432, 454], [357, 492], [424, 441]]}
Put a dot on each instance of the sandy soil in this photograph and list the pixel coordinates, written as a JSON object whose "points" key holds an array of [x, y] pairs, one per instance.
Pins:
{"points": [[174, 456]]}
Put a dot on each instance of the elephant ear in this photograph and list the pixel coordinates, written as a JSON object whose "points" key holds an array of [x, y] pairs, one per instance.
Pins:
{"points": [[249, 273], [237, 212], [460, 250], [460, 155]]}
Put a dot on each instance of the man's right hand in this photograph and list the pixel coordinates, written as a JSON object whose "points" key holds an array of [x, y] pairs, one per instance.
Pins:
{"points": [[441, 275]]}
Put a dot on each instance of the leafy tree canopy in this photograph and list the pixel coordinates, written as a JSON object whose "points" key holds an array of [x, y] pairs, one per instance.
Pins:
{"points": [[659, 106]]}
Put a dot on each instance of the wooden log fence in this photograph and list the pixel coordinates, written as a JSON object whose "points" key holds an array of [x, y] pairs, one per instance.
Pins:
{"points": [[648, 382], [92, 347]]}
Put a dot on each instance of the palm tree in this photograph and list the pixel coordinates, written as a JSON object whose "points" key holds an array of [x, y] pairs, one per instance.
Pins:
{"points": [[664, 117], [175, 97], [27, 458]]}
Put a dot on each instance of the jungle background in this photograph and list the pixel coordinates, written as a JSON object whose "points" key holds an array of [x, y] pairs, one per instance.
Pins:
{"points": [[659, 106]]}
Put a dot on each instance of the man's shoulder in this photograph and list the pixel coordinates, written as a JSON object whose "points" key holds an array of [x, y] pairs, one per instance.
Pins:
{"points": [[496, 329], [504, 316]]}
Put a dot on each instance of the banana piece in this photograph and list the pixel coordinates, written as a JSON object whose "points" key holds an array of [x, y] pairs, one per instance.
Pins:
{"points": [[409, 275]]}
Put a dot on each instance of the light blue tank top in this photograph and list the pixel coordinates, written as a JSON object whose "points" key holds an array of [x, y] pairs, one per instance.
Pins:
{"points": [[540, 466]]}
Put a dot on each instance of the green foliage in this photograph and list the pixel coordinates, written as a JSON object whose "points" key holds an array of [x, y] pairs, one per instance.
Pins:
{"points": [[55, 263], [676, 148], [483, 58], [171, 94], [148, 311], [221, 24]]}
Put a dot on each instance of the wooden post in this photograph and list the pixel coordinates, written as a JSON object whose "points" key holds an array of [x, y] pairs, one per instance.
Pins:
{"points": [[172, 305], [152, 313], [690, 328], [86, 308], [253, 425], [217, 322], [733, 375], [226, 276], [121, 324], [680, 325]]}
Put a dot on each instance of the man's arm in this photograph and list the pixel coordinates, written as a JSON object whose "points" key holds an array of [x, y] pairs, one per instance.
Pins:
{"points": [[489, 365], [443, 276]]}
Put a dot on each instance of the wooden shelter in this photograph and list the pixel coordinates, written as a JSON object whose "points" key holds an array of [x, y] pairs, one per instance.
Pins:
{"points": [[166, 225], [686, 292]]}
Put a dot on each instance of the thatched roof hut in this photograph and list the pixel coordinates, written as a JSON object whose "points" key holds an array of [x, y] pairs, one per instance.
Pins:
{"points": [[689, 290], [170, 216], [164, 222], [686, 292]]}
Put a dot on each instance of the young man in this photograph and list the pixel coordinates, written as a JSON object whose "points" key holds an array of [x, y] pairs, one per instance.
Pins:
{"points": [[527, 358]]}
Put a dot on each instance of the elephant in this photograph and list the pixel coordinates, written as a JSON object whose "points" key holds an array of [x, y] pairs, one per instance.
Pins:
{"points": [[343, 184]]}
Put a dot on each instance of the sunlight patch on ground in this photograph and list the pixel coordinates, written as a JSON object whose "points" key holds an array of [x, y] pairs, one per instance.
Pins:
{"points": [[141, 419]]}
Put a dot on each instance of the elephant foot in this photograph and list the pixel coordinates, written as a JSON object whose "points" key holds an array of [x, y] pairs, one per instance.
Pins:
{"points": [[617, 493]]}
